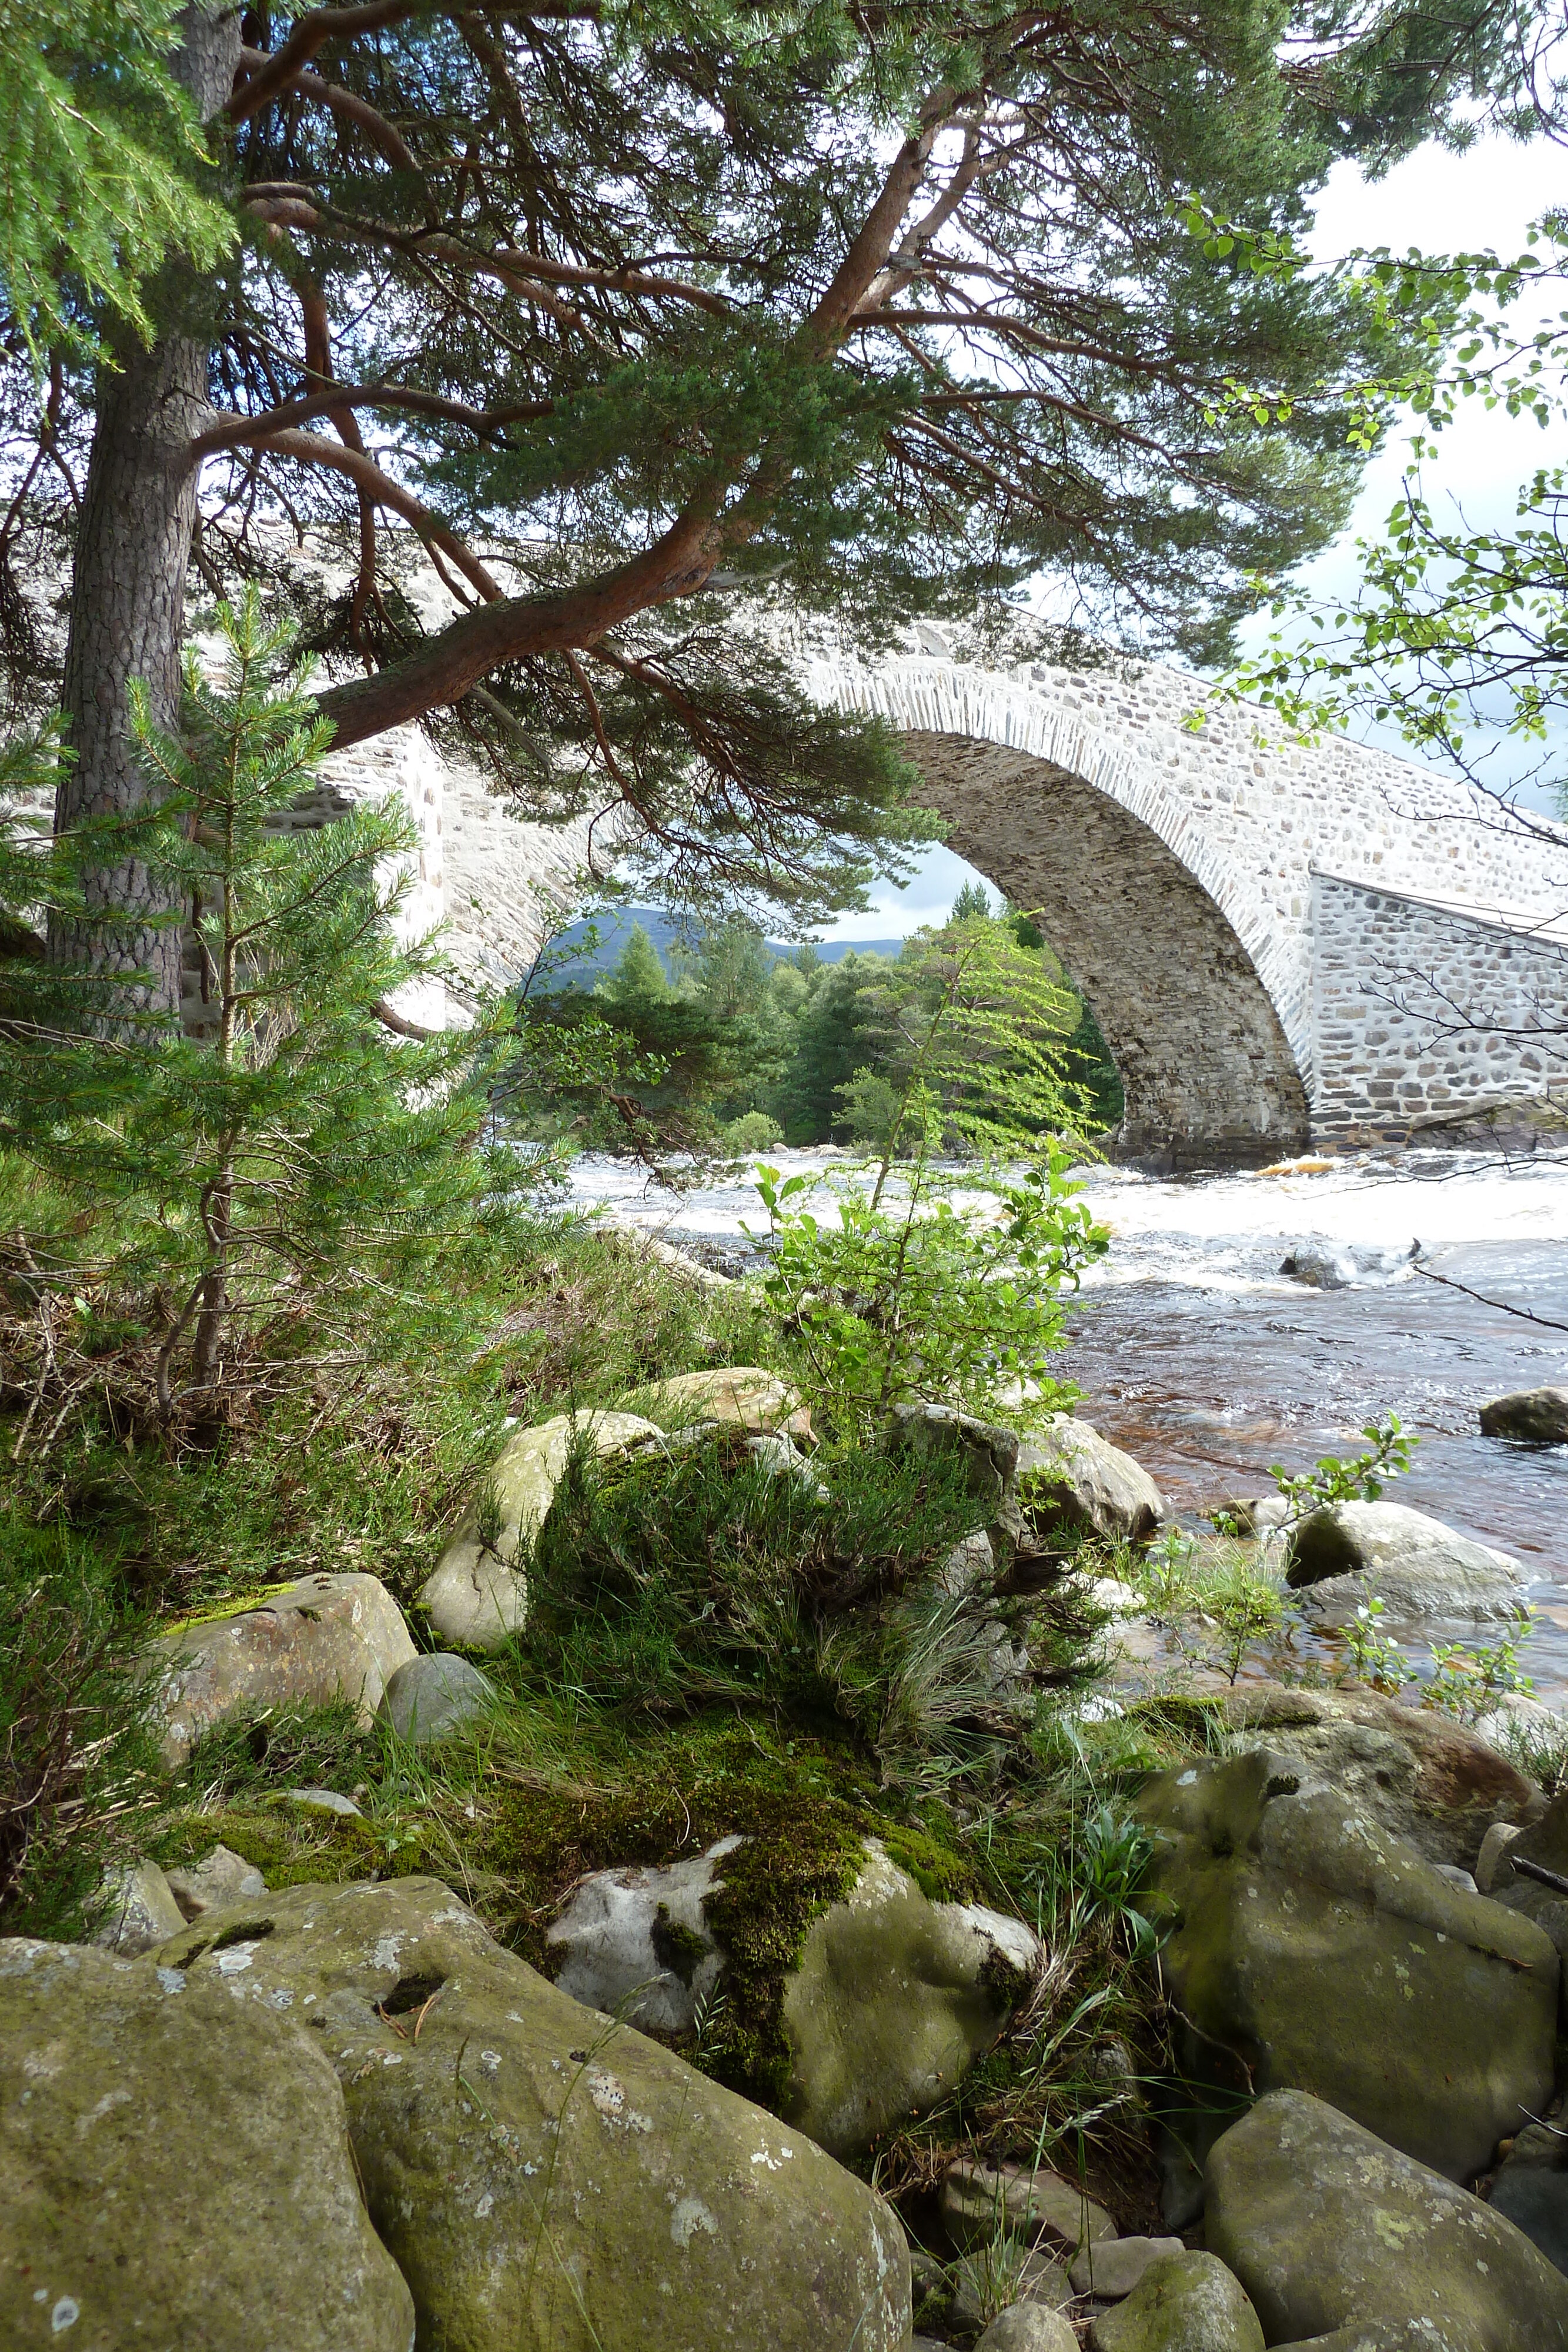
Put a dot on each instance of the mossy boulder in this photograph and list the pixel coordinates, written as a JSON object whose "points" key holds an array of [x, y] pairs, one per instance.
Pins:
{"points": [[175, 2169], [476, 1597], [1330, 2229], [306, 1645], [1420, 1775], [549, 2180], [892, 2000], [1312, 1951], [1545, 1842], [1186, 2302]]}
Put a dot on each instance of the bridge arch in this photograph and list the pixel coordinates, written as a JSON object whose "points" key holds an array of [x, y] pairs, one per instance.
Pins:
{"points": [[1197, 993]]}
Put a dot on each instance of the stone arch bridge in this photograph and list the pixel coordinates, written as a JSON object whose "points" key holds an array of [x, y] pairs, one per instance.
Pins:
{"points": [[1283, 943]]}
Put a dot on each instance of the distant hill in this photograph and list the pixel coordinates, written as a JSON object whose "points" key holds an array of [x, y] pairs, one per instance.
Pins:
{"points": [[584, 967]]}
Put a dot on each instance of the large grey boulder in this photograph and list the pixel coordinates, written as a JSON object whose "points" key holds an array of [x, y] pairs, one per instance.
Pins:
{"points": [[1312, 1950], [174, 2169], [436, 1698], [1339, 1557], [636, 1942], [1329, 2229], [893, 1999], [1184, 2302], [324, 1638], [549, 2180], [1530, 1416], [1070, 1477], [1418, 1774], [477, 1596]]}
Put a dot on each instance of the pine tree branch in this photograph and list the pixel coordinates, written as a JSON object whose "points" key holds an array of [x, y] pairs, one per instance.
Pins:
{"points": [[311, 450], [233, 432], [382, 135]]}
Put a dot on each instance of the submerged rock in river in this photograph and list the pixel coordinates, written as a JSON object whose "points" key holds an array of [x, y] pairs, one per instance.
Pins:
{"points": [[1530, 1416]]}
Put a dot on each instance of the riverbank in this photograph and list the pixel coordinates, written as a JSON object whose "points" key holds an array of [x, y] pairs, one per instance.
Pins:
{"points": [[1199, 1357]]}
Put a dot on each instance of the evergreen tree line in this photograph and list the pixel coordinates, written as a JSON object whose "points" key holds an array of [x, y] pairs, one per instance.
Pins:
{"points": [[733, 1045]]}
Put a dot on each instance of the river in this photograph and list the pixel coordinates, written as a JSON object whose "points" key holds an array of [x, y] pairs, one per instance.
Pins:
{"points": [[1195, 1352]]}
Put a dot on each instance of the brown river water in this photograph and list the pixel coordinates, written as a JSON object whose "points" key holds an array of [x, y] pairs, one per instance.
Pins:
{"points": [[1198, 1356]]}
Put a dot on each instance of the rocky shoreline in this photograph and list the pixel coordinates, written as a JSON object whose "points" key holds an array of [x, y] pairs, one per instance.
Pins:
{"points": [[340, 2112]]}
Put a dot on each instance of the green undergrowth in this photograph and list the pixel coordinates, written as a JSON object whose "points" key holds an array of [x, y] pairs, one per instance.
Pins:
{"points": [[715, 1649], [111, 1534]]}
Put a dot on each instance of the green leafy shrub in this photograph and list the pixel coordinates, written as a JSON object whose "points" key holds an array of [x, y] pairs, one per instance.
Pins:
{"points": [[926, 1298], [753, 1132], [1359, 1479]]}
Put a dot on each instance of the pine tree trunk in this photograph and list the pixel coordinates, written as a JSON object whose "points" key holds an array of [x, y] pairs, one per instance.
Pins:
{"points": [[128, 590]]}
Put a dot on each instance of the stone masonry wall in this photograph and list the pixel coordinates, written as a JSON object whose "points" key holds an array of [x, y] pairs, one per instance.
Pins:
{"points": [[1423, 1012]]}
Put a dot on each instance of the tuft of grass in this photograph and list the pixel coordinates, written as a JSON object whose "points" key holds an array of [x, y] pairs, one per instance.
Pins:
{"points": [[77, 1758]]}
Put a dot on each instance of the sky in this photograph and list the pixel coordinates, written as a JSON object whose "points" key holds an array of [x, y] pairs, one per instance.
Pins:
{"points": [[1437, 202]]}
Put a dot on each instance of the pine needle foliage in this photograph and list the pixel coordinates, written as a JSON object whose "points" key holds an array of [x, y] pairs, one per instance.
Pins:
{"points": [[294, 1172], [101, 168]]}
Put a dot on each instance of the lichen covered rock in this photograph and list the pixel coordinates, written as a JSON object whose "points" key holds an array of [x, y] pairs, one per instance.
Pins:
{"points": [[1185, 2302], [138, 1910], [476, 1596], [637, 1942], [893, 1999], [1312, 1951], [743, 1395], [1329, 2229], [548, 2179], [324, 1638], [1418, 1774], [174, 2169]]}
